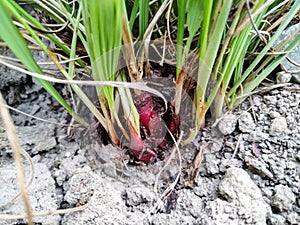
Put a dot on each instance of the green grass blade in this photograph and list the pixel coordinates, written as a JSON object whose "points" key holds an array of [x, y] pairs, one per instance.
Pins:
{"points": [[133, 14], [294, 9], [206, 64], [206, 25], [13, 38], [207, 61], [181, 6], [103, 21], [267, 70], [29, 19], [143, 17]]}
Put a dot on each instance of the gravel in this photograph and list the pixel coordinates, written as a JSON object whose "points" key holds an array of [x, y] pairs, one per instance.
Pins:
{"points": [[227, 124], [283, 198], [246, 123]]}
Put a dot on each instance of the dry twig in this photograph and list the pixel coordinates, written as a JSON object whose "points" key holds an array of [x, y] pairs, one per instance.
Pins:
{"points": [[12, 137]]}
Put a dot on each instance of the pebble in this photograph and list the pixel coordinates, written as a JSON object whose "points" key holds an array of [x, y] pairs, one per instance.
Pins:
{"points": [[194, 207], [276, 219], [278, 126], [246, 123], [274, 114], [212, 163], [293, 218], [258, 166], [238, 189], [283, 77], [258, 135], [79, 186], [227, 124], [283, 198], [270, 99]]}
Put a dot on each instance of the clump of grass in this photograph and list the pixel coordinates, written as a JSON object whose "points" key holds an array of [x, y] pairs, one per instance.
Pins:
{"points": [[103, 24], [217, 35]]}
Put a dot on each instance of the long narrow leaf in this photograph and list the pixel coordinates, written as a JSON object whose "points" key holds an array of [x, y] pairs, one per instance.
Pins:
{"points": [[294, 9], [12, 36], [144, 17]]}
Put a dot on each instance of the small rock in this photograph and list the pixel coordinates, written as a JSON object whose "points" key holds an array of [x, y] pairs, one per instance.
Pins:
{"points": [[270, 99], [80, 187], [274, 114], [138, 197], [258, 166], [278, 126], [110, 169], [227, 124], [238, 189], [60, 177], [189, 204], [246, 123], [283, 198], [283, 77], [293, 218], [212, 163], [258, 135], [277, 219]]}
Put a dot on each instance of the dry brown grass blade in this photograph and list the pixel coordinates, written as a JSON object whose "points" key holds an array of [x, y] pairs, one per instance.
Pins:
{"points": [[254, 15], [38, 118], [134, 85], [128, 52], [12, 137], [45, 213], [148, 33], [195, 168]]}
